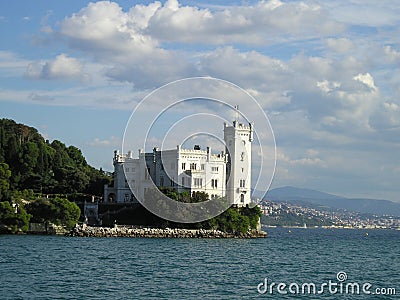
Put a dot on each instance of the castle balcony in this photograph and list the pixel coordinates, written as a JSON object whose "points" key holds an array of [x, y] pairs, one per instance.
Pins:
{"points": [[195, 172]]}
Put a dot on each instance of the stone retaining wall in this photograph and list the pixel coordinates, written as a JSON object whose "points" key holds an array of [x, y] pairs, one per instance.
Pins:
{"points": [[128, 231]]}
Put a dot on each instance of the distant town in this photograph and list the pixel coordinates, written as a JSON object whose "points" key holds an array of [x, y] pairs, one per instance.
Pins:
{"points": [[284, 214]]}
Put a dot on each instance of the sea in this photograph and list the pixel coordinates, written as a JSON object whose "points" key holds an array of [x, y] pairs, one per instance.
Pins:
{"points": [[288, 264]]}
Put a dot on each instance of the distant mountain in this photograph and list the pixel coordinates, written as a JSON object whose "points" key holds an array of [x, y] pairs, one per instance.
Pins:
{"points": [[314, 198]]}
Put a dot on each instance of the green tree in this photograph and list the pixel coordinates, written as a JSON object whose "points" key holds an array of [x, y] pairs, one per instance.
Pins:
{"points": [[15, 218], [253, 215], [3, 144], [28, 157], [5, 175], [49, 168], [76, 155], [67, 212], [199, 197], [59, 211]]}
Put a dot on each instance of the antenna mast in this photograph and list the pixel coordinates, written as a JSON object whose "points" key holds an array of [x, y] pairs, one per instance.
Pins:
{"points": [[237, 114]]}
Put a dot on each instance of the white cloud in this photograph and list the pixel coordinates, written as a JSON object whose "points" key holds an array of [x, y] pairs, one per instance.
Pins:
{"points": [[391, 106], [340, 45], [366, 79], [114, 38], [307, 161], [248, 24], [112, 141], [327, 86], [62, 67], [40, 98], [312, 152], [391, 55], [368, 13], [11, 64]]}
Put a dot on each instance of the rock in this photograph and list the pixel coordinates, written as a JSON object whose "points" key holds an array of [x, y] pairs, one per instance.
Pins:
{"points": [[125, 231]]}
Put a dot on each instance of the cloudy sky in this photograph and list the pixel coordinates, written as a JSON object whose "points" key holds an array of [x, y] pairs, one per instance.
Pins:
{"points": [[327, 74]]}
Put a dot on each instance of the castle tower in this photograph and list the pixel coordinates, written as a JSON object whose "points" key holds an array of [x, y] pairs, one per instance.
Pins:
{"points": [[238, 140]]}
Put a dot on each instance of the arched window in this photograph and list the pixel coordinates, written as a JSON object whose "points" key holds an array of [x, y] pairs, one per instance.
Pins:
{"points": [[111, 197]]}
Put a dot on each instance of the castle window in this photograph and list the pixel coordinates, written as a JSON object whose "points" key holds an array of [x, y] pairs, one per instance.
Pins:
{"points": [[242, 183], [214, 169], [161, 181], [214, 183], [193, 166], [242, 156], [172, 183], [202, 167], [183, 181], [183, 166], [198, 182]]}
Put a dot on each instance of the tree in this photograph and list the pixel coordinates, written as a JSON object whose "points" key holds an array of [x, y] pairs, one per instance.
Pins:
{"points": [[3, 143], [28, 157], [253, 214], [59, 211], [50, 168], [16, 218], [5, 175], [199, 197], [67, 212], [76, 155]]}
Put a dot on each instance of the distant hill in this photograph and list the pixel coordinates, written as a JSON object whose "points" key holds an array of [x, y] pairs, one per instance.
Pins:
{"points": [[314, 198]]}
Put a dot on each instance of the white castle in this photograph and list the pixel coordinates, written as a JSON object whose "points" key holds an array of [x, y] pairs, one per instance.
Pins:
{"points": [[227, 174]]}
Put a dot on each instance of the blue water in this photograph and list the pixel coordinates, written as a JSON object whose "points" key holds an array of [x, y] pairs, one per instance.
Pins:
{"points": [[50, 267]]}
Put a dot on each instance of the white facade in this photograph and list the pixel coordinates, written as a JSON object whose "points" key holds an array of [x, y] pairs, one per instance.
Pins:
{"points": [[238, 140], [188, 170]]}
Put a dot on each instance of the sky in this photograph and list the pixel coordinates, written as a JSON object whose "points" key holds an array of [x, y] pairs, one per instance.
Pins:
{"points": [[326, 73]]}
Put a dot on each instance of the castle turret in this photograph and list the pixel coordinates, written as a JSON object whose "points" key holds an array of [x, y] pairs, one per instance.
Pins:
{"points": [[238, 140]]}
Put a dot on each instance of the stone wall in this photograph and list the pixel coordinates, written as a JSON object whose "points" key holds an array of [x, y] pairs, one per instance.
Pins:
{"points": [[129, 231]]}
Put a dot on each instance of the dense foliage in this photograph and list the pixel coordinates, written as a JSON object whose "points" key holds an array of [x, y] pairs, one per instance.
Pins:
{"points": [[57, 211], [27, 161], [16, 218], [233, 220]]}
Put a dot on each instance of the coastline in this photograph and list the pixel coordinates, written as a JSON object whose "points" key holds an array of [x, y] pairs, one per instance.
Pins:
{"points": [[147, 232]]}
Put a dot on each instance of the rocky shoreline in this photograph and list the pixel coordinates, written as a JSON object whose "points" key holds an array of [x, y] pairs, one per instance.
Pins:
{"points": [[146, 232]]}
